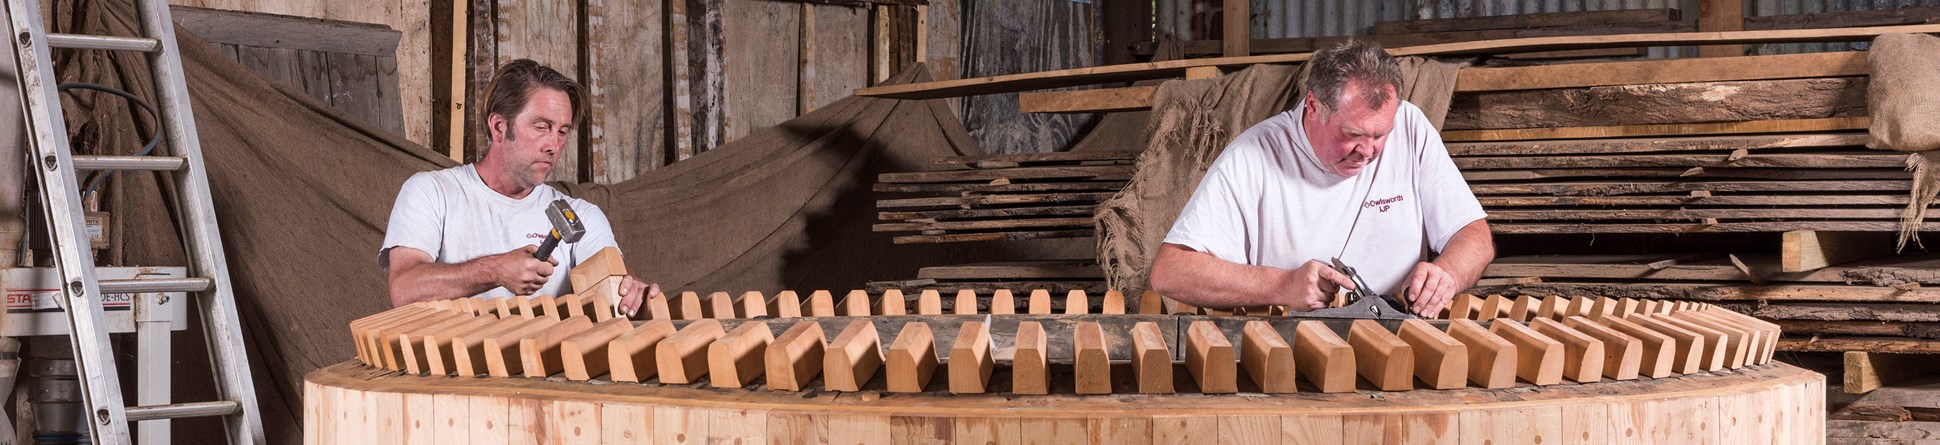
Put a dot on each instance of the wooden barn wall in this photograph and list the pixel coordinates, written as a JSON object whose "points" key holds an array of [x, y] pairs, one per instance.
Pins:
{"points": [[1017, 36], [413, 62]]}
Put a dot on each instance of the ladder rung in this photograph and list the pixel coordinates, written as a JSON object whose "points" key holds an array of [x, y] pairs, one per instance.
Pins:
{"points": [[142, 286], [183, 410], [93, 162], [80, 41]]}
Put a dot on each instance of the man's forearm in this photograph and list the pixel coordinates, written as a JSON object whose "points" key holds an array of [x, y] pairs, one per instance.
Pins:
{"points": [[1200, 279], [432, 281], [1467, 253]]}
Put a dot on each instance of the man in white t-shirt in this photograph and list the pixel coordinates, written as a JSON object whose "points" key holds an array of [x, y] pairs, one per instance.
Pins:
{"points": [[473, 230], [1353, 172]]}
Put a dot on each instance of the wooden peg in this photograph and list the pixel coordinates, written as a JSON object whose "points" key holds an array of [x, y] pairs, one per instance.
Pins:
{"points": [[1382, 358], [912, 358], [1687, 354], [415, 357], [389, 339], [1209, 357], [584, 355], [1580, 306], [1114, 303], [1496, 306], [1753, 338], [853, 357], [1091, 367], [1027, 366], [539, 353], [1627, 306], [718, 306], [502, 358], [1440, 361], [634, 357], [1656, 352], [1539, 359], [1737, 341], [1623, 355], [600, 266], [1464, 306], [1550, 306], [1604, 307], [468, 351], [929, 302], [524, 306], [821, 303], [1715, 344], [796, 357], [1040, 302], [682, 357], [1076, 302], [364, 332], [658, 308], [1768, 331], [856, 304], [892, 303], [548, 307], [1267, 358], [735, 360], [1524, 307], [751, 304], [1323, 358], [1491, 359], [603, 295], [1150, 303], [970, 359], [689, 307], [1151, 360], [966, 302], [574, 306], [1002, 302], [437, 345], [1582, 354], [785, 305]]}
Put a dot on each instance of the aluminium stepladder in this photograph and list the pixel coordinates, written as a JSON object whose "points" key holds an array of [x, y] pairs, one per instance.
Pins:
{"points": [[207, 283]]}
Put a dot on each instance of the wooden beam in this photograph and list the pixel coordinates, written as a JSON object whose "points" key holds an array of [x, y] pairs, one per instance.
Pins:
{"points": [[1749, 127], [1096, 100], [1151, 361], [456, 129], [1806, 250], [1721, 16], [1878, 345], [853, 357], [1722, 69], [1159, 70], [1518, 21]]}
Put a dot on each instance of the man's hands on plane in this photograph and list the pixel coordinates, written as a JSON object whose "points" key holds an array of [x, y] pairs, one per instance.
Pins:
{"points": [[1430, 288], [1313, 286], [518, 271]]}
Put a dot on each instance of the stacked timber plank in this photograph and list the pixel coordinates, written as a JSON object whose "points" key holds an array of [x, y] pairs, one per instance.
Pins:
{"points": [[1755, 144], [782, 341], [1001, 197], [1056, 276]]}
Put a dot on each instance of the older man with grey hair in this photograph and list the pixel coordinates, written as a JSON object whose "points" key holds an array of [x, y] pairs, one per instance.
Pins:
{"points": [[1353, 172]]}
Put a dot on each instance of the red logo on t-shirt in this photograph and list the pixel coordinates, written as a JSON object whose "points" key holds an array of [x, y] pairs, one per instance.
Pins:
{"points": [[1384, 203]]}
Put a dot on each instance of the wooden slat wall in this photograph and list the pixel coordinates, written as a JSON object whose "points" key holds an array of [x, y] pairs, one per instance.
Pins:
{"points": [[412, 63]]}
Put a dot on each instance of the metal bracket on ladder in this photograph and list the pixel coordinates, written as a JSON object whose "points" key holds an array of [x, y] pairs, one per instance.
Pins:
{"points": [[56, 167]]}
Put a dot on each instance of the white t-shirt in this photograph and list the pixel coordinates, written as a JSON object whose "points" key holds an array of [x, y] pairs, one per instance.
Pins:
{"points": [[453, 216], [1268, 201]]}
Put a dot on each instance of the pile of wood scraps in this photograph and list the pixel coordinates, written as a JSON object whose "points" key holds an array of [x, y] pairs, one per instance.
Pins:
{"points": [[1001, 197], [1056, 276]]}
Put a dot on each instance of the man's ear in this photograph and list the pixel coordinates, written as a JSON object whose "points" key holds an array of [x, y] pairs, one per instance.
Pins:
{"points": [[497, 125]]}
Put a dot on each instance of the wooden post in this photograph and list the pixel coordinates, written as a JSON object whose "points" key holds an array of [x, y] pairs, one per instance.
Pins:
{"points": [[796, 357], [682, 357], [1440, 361], [1382, 358], [1209, 357], [1721, 15], [1092, 367], [1867, 371], [460, 58], [912, 359], [970, 359], [1027, 368], [1151, 361], [735, 360], [1323, 358], [1238, 28], [853, 357]]}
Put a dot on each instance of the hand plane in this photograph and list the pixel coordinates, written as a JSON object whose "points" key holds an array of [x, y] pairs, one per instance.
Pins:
{"points": [[1363, 302]]}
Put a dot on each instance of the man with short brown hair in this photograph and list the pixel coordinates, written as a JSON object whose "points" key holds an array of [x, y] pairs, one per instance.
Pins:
{"points": [[473, 230], [1353, 172]]}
